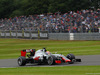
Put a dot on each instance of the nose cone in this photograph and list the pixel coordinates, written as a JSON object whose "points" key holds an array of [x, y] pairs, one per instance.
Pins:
{"points": [[68, 61]]}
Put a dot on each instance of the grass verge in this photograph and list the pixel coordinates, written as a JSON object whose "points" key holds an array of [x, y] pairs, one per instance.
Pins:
{"points": [[10, 48], [66, 70]]}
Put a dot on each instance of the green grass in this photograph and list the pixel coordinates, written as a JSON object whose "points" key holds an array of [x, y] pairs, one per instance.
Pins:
{"points": [[10, 48], [67, 70]]}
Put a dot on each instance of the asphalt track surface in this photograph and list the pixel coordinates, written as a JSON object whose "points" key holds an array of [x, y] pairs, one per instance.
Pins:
{"points": [[86, 60]]}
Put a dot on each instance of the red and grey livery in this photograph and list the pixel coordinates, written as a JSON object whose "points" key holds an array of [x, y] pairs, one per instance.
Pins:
{"points": [[41, 57]]}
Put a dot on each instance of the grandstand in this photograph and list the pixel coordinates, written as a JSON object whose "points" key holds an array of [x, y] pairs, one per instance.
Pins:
{"points": [[84, 21]]}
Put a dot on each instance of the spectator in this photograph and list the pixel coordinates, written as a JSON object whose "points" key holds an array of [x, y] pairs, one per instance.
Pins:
{"points": [[73, 22]]}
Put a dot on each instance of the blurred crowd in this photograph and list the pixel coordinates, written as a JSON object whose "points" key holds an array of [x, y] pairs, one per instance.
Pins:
{"points": [[84, 21]]}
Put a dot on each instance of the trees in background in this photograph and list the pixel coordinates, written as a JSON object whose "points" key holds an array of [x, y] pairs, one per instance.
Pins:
{"points": [[6, 8], [12, 8]]}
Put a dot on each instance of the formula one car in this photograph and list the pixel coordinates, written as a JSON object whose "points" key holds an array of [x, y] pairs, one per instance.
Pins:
{"points": [[42, 56]]}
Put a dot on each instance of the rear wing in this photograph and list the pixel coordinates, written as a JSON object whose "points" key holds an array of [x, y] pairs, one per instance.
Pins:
{"points": [[31, 51], [23, 53]]}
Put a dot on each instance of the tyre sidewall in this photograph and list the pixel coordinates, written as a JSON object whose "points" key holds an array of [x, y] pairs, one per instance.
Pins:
{"points": [[21, 61], [52, 58]]}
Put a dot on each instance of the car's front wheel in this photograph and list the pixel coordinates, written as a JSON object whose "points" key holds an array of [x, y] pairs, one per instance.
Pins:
{"points": [[71, 57]]}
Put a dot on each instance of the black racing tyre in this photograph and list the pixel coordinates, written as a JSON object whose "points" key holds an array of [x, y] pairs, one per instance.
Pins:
{"points": [[21, 61], [51, 60], [71, 57]]}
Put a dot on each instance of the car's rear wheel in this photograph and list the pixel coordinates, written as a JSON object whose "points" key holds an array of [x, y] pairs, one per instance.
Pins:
{"points": [[21, 61], [71, 57], [51, 60]]}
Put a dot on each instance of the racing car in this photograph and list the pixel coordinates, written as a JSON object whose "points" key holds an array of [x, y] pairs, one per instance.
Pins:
{"points": [[42, 56]]}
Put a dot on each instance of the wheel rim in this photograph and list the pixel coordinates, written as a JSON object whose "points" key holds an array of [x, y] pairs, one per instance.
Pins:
{"points": [[19, 61], [50, 60]]}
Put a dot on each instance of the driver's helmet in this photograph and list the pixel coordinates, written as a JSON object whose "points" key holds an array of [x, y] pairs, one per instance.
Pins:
{"points": [[48, 53], [44, 50]]}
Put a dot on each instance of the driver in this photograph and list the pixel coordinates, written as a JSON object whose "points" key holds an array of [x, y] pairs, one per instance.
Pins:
{"points": [[44, 50], [48, 53]]}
